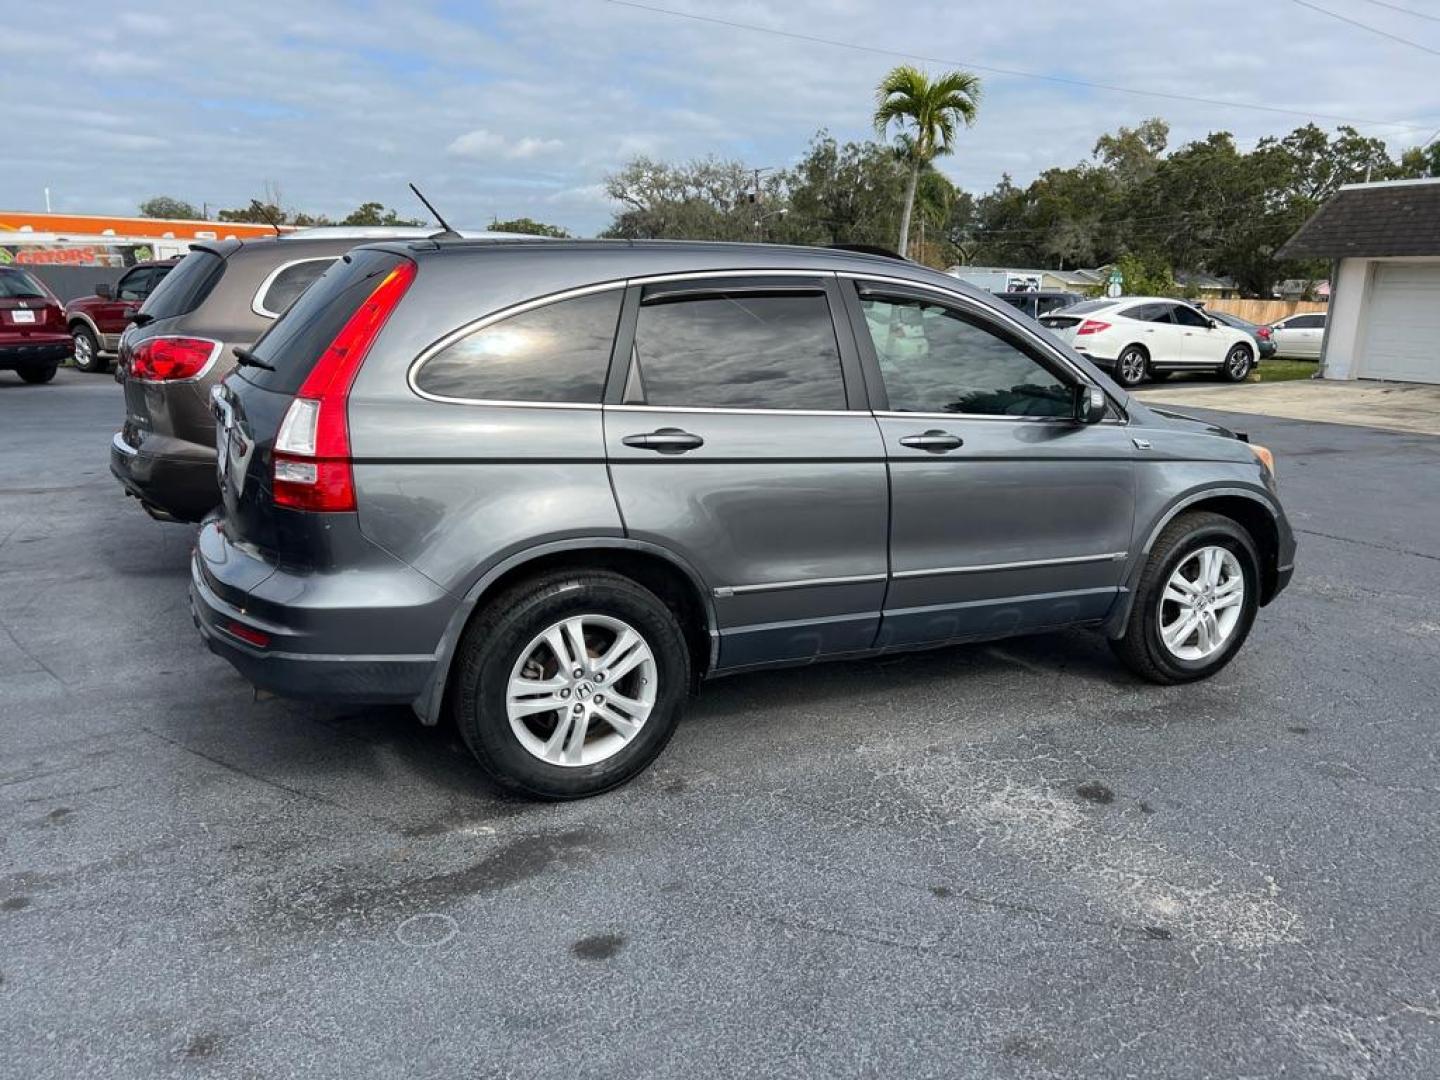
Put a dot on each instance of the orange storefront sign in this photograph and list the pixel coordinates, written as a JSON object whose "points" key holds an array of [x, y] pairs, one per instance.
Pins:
{"points": [[87, 225]]}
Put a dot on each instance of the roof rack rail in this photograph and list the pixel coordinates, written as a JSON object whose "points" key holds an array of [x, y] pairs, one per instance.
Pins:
{"points": [[868, 249]]}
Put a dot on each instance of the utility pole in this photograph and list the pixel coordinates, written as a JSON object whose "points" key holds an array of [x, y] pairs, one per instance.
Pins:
{"points": [[47, 200]]}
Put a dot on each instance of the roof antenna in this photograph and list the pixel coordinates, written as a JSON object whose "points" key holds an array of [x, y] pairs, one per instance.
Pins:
{"points": [[446, 233]]}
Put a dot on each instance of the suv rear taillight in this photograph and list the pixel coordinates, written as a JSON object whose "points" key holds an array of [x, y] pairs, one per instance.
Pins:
{"points": [[1092, 326], [169, 359], [1264, 333], [312, 448]]}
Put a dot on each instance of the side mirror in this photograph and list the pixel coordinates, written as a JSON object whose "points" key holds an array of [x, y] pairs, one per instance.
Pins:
{"points": [[1213, 324], [1090, 404], [102, 290]]}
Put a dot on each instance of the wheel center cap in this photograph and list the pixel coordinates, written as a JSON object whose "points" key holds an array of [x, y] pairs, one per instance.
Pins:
{"points": [[584, 690]]}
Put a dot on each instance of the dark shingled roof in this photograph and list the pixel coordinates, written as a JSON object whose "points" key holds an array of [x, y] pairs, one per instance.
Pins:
{"points": [[1371, 221]]}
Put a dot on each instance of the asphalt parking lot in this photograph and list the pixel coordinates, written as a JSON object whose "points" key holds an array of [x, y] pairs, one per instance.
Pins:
{"points": [[1008, 861]]}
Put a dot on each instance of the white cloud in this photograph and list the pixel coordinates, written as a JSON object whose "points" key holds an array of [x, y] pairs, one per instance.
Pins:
{"points": [[487, 145]]}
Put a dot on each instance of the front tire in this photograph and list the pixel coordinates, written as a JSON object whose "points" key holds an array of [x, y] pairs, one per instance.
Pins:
{"points": [[571, 684], [87, 350], [1239, 362], [39, 374], [1131, 366], [1195, 602]]}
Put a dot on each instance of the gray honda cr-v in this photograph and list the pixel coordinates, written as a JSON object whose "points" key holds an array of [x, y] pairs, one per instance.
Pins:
{"points": [[552, 486]]}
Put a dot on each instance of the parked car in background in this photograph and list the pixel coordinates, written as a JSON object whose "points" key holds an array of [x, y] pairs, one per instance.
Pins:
{"points": [[1039, 302], [1140, 337], [221, 297], [1299, 337], [1264, 339], [33, 338], [97, 321], [550, 485]]}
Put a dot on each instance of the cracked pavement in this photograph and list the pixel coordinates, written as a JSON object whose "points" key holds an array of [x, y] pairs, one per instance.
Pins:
{"points": [[1004, 860]]}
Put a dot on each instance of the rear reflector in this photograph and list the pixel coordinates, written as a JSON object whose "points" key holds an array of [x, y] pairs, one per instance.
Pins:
{"points": [[258, 638], [312, 448], [1092, 326], [169, 359]]}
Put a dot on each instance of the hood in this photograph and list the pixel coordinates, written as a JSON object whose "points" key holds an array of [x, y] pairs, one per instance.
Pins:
{"points": [[1194, 424]]}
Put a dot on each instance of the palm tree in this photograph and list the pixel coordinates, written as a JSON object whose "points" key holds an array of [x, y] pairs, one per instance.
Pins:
{"points": [[926, 113]]}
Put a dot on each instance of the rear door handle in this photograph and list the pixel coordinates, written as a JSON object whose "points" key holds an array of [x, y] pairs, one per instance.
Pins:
{"points": [[935, 441], [665, 441]]}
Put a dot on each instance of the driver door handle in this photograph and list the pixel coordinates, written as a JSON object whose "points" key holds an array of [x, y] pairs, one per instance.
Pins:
{"points": [[665, 441], [935, 441]]}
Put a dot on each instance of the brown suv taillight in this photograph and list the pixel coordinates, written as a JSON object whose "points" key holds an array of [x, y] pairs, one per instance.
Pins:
{"points": [[312, 449], [169, 359]]}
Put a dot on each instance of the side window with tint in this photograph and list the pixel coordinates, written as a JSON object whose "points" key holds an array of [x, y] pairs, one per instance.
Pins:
{"points": [[935, 359], [1188, 316], [742, 350], [557, 354], [136, 284], [286, 286], [1157, 313]]}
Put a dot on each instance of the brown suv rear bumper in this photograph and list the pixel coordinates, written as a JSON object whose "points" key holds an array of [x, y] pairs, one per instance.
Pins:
{"points": [[176, 484]]}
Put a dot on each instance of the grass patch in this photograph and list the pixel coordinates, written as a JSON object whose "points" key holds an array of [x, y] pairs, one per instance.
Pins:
{"points": [[1277, 370]]}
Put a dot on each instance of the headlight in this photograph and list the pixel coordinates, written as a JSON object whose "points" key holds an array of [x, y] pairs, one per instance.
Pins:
{"points": [[1266, 457]]}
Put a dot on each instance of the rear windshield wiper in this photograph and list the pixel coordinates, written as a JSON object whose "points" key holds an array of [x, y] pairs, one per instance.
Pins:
{"points": [[249, 359]]}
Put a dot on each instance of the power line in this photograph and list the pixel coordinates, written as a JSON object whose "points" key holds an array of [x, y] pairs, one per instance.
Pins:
{"points": [[1016, 72], [1367, 26], [1405, 10]]}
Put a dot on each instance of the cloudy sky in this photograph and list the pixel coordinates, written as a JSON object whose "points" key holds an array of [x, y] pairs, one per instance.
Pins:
{"points": [[520, 107]]}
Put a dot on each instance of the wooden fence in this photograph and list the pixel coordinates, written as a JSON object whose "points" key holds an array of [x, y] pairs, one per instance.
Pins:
{"points": [[1265, 311]]}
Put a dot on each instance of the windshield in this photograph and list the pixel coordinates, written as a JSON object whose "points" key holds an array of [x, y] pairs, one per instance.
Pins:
{"points": [[18, 285]]}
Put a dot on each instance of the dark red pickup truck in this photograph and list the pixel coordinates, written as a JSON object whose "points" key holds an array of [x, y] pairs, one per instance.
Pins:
{"points": [[96, 322]]}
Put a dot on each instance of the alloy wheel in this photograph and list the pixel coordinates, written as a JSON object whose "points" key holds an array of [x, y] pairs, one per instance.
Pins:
{"points": [[1132, 367], [581, 690], [1202, 603], [84, 354], [1237, 364]]}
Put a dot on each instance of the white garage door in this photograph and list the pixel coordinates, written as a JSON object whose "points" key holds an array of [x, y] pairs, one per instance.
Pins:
{"points": [[1402, 333]]}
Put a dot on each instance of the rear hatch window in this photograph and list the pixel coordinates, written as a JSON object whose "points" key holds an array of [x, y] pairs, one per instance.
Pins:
{"points": [[295, 342], [185, 287]]}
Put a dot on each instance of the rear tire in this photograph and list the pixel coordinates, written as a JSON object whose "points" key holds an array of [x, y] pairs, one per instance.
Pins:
{"points": [[500, 649], [1131, 366], [1239, 362], [39, 374], [87, 351], [1143, 649]]}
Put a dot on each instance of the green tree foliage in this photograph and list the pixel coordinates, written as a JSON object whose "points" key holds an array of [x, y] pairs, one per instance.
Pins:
{"points": [[530, 227], [164, 206], [1207, 206], [927, 113], [374, 213], [259, 213]]}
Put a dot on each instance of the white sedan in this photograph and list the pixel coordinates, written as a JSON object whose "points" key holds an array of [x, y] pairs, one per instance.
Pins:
{"points": [[1139, 337], [1299, 336]]}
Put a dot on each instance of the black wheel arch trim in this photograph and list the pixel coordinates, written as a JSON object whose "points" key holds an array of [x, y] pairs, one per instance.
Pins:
{"points": [[1115, 623], [429, 704]]}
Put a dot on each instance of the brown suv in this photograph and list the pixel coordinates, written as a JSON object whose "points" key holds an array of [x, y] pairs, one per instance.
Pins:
{"points": [[222, 295]]}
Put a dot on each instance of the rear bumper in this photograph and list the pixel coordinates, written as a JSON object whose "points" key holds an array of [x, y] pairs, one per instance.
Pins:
{"points": [[169, 476], [331, 637], [35, 353]]}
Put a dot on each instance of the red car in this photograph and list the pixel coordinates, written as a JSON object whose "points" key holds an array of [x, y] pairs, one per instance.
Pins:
{"points": [[34, 337], [96, 322]]}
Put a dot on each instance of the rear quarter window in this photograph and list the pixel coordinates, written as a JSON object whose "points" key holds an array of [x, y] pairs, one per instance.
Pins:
{"points": [[555, 353], [284, 285], [185, 288]]}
